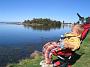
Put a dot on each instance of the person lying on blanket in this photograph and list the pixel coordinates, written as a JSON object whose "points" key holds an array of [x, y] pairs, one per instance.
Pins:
{"points": [[71, 41]]}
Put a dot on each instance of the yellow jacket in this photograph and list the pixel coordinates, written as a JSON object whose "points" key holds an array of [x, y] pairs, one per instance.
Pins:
{"points": [[73, 41]]}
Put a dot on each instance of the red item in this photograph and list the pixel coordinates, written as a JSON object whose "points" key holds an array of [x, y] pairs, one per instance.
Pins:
{"points": [[86, 25], [69, 65], [84, 33], [57, 63], [86, 29], [66, 52]]}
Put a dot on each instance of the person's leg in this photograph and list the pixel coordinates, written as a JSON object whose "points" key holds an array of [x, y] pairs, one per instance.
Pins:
{"points": [[52, 46], [45, 47], [47, 51]]}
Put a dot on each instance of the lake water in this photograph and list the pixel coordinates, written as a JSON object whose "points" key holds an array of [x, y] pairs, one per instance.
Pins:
{"points": [[18, 41]]}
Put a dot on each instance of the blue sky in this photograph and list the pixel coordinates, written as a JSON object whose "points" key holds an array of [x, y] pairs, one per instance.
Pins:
{"points": [[20, 10]]}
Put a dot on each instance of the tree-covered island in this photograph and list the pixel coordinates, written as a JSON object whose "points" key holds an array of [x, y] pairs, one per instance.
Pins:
{"points": [[42, 24], [41, 21]]}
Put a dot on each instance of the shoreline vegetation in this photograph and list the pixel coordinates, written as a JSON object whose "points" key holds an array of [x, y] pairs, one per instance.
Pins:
{"points": [[41, 21], [38, 22], [42, 24], [36, 57]]}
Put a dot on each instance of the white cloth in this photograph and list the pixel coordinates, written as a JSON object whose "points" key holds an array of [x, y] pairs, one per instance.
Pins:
{"points": [[43, 64]]}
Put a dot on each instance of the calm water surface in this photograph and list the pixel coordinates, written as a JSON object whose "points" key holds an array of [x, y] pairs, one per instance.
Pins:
{"points": [[18, 41]]}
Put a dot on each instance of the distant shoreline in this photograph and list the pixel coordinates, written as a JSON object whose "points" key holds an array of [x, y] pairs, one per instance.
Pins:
{"points": [[18, 23]]}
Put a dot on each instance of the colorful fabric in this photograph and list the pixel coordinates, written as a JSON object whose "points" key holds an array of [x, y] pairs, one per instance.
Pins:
{"points": [[48, 48], [74, 41]]}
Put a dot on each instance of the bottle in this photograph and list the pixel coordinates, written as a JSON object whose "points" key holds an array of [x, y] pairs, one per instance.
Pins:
{"points": [[61, 38], [61, 42]]}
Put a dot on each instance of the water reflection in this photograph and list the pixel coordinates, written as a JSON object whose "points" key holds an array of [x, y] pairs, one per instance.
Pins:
{"points": [[42, 27], [66, 25]]}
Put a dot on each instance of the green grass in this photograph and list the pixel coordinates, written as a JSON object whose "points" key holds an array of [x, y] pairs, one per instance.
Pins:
{"points": [[83, 61], [28, 62]]}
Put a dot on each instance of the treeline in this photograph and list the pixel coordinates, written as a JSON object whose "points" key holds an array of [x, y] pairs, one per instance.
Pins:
{"points": [[41, 21]]}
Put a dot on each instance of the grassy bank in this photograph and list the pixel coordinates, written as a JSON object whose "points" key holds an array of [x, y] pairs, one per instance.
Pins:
{"points": [[83, 61], [27, 62]]}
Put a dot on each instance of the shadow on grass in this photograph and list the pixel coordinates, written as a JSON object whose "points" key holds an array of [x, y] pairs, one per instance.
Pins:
{"points": [[75, 58]]}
